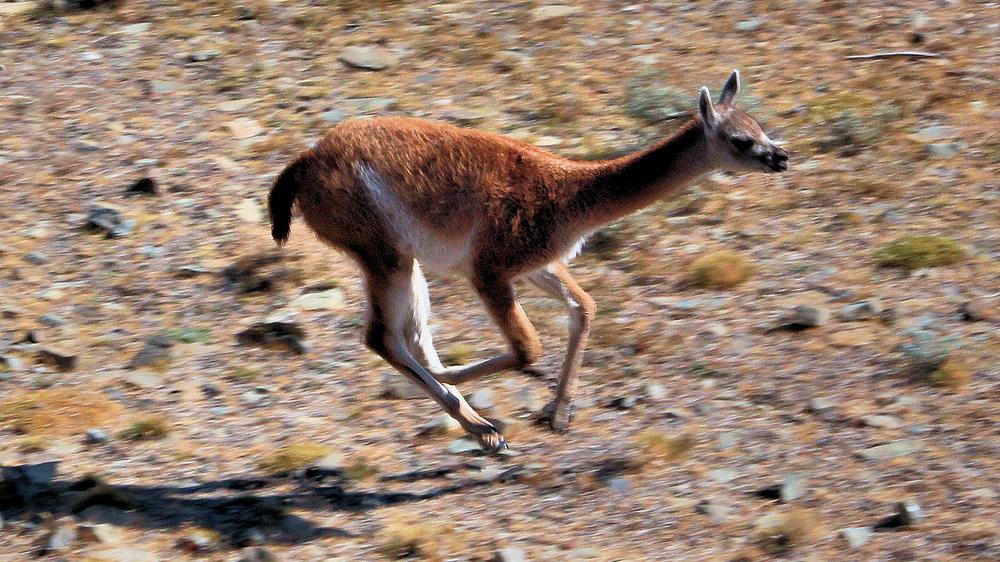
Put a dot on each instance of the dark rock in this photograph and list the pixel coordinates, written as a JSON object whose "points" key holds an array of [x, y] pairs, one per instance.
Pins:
{"points": [[51, 320], [907, 514], [36, 258], [143, 186], [926, 353], [277, 334], [810, 316], [860, 310], [976, 311], [106, 219], [96, 437], [156, 352], [28, 484], [61, 359], [715, 512], [623, 402]]}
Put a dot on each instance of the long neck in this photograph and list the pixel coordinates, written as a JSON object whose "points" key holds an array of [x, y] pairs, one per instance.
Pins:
{"points": [[615, 188]]}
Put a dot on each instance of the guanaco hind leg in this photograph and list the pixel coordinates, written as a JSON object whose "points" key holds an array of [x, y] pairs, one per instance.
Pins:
{"points": [[392, 309]]}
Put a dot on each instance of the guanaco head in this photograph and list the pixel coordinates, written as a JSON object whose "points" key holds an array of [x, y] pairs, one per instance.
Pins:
{"points": [[736, 141]]}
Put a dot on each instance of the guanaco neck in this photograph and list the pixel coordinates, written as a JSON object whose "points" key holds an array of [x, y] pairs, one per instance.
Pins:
{"points": [[612, 189]]}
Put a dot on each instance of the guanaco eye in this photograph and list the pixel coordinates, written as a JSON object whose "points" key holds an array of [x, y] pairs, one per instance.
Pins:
{"points": [[742, 144]]}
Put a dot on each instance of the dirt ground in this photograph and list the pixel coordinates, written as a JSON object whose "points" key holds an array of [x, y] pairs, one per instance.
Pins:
{"points": [[711, 424]]}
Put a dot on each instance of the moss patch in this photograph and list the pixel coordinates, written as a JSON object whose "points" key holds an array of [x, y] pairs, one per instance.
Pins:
{"points": [[914, 252]]}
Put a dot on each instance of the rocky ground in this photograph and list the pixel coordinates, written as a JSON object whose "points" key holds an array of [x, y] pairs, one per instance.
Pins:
{"points": [[174, 387]]}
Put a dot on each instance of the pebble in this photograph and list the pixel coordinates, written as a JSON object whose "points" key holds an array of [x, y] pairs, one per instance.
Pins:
{"points": [[887, 451], [510, 554], [942, 151], [61, 538], [61, 359], [36, 258], [907, 514], [554, 11], [859, 310], [722, 475], [934, 133], [334, 116], [716, 513], [164, 86], [367, 57], [371, 105], [882, 421], [655, 391], [156, 352], [109, 220], [244, 128], [122, 554], [810, 316], [332, 299], [823, 405], [792, 488], [481, 399], [751, 25], [96, 437], [462, 446], [619, 484], [856, 537], [143, 380], [8, 363]]}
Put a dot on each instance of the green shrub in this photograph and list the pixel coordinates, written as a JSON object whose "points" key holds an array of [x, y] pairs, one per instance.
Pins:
{"points": [[914, 252]]}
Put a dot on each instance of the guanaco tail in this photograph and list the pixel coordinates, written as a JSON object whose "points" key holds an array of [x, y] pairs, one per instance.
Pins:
{"points": [[400, 194]]}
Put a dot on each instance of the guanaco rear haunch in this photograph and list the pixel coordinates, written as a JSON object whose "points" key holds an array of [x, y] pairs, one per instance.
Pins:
{"points": [[398, 194]]}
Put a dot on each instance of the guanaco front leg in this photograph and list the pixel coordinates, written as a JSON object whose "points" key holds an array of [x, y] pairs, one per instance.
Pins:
{"points": [[557, 282]]}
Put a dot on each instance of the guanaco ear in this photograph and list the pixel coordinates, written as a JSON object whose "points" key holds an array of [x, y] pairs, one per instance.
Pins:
{"points": [[731, 89], [705, 108]]}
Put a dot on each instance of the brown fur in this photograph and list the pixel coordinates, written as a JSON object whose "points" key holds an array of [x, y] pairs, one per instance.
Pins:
{"points": [[369, 183]]}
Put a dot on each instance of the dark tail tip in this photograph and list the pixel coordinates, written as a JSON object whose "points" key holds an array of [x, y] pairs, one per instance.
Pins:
{"points": [[282, 197]]}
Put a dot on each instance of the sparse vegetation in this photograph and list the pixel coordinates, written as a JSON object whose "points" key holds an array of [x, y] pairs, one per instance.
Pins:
{"points": [[658, 445], [915, 252], [292, 457], [781, 532], [148, 428], [723, 269], [57, 411], [402, 537], [953, 375]]}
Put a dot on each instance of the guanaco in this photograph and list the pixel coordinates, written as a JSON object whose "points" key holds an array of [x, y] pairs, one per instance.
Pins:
{"points": [[398, 194]]}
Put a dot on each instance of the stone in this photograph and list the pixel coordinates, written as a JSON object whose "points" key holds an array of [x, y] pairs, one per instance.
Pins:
{"points": [[135, 28], [554, 11], [750, 25], [855, 337], [371, 105], [394, 386], [942, 151], [882, 421], [334, 116], [96, 437], [463, 446], [164, 86], [926, 352], [722, 475], [249, 211], [60, 358], [792, 488], [244, 128], [142, 186], [367, 57], [465, 117], [510, 554], [891, 450], [109, 220], [726, 440], [906, 514], [156, 352], [810, 316], [202, 55], [619, 484], [59, 539], [655, 391], [856, 537], [103, 533], [862, 310], [934, 133], [122, 554], [278, 333], [481, 399], [232, 106], [976, 311], [36, 258], [332, 299], [822, 405], [9, 363], [143, 380], [51, 320], [716, 513]]}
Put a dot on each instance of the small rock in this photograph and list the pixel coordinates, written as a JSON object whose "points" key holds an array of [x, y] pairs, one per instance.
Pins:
{"points": [[367, 57], [164, 86], [926, 353], [199, 540], [100, 533], [726, 440], [202, 56], [722, 475], [36, 258], [142, 186], [244, 128], [96, 437], [555, 11], [332, 299], [942, 151], [396, 387], [135, 28], [882, 421], [465, 117], [907, 514], [123, 554], [143, 380], [156, 352], [716, 513], [51, 320], [60, 539], [823, 405], [109, 220], [481, 399], [8, 363], [463, 446], [860, 310], [751, 25], [371, 105], [792, 488], [334, 116], [856, 537], [886, 451], [249, 211], [61, 359], [935, 133], [623, 402], [655, 391], [510, 554], [976, 311], [619, 484], [810, 316], [278, 334]]}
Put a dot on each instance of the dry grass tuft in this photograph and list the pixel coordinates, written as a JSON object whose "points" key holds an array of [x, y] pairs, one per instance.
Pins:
{"points": [[953, 375], [403, 538], [723, 269], [780, 532], [657, 445], [58, 411], [152, 427], [292, 457], [915, 252]]}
